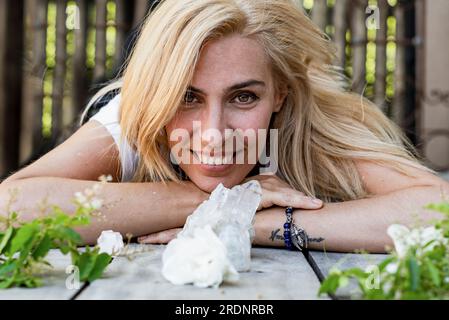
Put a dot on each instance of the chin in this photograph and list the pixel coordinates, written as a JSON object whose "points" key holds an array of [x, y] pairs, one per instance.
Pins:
{"points": [[208, 183]]}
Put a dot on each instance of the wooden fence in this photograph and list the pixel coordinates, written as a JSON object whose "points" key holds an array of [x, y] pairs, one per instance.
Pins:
{"points": [[55, 54]]}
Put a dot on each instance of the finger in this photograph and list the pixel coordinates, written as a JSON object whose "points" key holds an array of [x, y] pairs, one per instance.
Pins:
{"points": [[160, 237], [295, 199], [151, 238]]}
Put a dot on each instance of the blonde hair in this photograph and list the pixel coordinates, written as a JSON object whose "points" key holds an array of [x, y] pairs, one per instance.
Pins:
{"points": [[323, 128]]}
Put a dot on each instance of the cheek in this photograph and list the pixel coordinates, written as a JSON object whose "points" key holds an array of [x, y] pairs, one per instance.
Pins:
{"points": [[256, 118], [179, 122]]}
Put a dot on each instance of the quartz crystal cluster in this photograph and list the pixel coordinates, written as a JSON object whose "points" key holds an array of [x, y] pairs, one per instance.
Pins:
{"points": [[215, 243]]}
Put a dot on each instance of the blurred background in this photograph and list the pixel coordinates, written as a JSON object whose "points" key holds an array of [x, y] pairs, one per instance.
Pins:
{"points": [[55, 54]]}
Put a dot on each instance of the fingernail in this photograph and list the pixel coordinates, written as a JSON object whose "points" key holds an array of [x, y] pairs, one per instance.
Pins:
{"points": [[317, 201]]}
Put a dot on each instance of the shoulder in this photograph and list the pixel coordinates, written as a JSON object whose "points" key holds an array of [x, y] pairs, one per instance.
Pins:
{"points": [[380, 179], [108, 116]]}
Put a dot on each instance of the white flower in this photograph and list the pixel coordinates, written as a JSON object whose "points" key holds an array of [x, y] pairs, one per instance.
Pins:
{"points": [[404, 239], [200, 259], [110, 242], [88, 199], [81, 198], [96, 203], [398, 233], [392, 267], [432, 233]]}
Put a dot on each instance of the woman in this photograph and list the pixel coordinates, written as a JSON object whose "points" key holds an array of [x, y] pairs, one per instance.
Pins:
{"points": [[237, 64]]}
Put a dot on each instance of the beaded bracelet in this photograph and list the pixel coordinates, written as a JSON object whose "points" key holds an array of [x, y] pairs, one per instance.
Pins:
{"points": [[287, 228], [295, 236]]}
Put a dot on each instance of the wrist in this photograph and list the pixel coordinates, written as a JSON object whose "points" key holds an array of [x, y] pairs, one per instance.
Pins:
{"points": [[193, 197], [268, 226]]}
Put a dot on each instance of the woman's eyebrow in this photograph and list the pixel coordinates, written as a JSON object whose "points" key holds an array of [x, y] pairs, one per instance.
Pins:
{"points": [[233, 87]]}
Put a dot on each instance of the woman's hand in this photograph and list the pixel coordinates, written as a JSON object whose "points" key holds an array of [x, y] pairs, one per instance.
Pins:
{"points": [[276, 192]]}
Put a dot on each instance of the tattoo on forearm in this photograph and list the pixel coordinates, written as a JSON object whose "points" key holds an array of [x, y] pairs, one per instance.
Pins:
{"points": [[276, 236], [315, 239]]}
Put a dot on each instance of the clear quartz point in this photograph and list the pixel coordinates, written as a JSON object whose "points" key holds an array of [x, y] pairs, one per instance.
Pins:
{"points": [[230, 213]]}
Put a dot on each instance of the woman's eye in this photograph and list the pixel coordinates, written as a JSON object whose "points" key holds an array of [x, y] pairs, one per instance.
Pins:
{"points": [[189, 98], [245, 98]]}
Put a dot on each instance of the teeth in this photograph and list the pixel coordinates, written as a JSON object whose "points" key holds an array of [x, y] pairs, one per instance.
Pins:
{"points": [[228, 160], [213, 161]]}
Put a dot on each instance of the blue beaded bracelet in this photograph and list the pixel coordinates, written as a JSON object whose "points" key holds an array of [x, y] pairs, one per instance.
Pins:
{"points": [[287, 228]]}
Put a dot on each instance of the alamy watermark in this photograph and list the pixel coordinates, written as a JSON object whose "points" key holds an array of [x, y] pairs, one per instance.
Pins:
{"points": [[73, 17], [372, 282], [372, 22], [72, 281]]}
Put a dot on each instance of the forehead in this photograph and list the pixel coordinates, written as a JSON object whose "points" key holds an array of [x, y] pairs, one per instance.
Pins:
{"points": [[231, 59]]}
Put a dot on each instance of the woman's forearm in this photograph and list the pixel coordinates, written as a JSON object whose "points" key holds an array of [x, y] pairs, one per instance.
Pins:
{"points": [[352, 225], [135, 208]]}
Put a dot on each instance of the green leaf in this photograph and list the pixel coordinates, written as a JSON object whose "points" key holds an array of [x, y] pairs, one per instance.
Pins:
{"points": [[75, 256], [7, 268], [80, 219], [43, 247], [70, 234], [330, 284], [434, 274], [7, 283], [24, 235], [386, 262], [6, 238], [414, 273], [86, 264], [14, 216], [356, 272], [101, 263], [440, 207], [343, 281], [63, 248]]}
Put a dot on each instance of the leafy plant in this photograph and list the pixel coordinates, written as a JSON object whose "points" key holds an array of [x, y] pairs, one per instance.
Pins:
{"points": [[418, 268], [24, 245]]}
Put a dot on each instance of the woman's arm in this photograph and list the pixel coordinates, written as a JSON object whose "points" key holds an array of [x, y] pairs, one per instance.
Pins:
{"points": [[136, 208], [76, 164], [352, 225], [361, 224]]}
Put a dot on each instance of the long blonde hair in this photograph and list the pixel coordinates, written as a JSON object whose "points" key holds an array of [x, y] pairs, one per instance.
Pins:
{"points": [[323, 128]]}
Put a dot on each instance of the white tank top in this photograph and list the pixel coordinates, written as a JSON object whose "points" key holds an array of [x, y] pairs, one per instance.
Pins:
{"points": [[108, 116]]}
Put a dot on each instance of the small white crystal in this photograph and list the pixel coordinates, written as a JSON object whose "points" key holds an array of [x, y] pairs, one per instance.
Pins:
{"points": [[229, 214], [110, 242]]}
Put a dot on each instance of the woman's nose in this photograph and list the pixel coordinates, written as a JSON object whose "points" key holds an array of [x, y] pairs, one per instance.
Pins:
{"points": [[213, 125], [213, 118]]}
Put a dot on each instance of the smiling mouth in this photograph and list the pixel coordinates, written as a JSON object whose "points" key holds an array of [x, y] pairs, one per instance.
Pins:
{"points": [[214, 160]]}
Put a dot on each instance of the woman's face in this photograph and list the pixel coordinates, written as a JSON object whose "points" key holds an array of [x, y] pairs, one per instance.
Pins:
{"points": [[232, 88]]}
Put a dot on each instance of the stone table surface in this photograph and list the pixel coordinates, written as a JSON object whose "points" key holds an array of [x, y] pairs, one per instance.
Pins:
{"points": [[275, 274]]}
